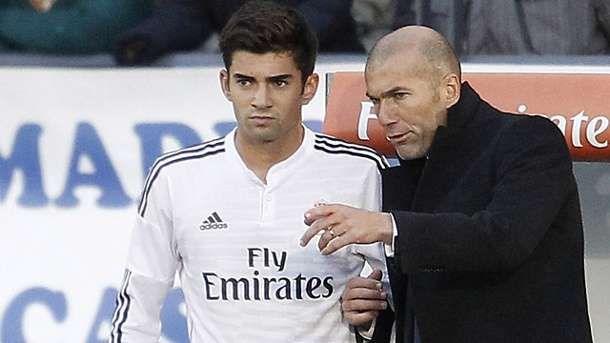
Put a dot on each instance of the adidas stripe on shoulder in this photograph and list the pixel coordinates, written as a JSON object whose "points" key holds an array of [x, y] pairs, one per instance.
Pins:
{"points": [[333, 145], [193, 152]]}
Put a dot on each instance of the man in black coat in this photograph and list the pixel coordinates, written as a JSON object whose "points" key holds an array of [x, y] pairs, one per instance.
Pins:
{"points": [[482, 216], [184, 24]]}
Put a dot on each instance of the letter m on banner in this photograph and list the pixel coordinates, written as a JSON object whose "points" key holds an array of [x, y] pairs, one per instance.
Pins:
{"points": [[25, 158]]}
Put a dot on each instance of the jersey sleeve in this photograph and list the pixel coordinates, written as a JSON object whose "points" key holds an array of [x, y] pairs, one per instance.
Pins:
{"points": [[374, 253], [151, 265]]}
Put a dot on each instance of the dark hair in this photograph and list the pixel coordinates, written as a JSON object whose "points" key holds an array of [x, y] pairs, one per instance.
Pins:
{"points": [[266, 26]]}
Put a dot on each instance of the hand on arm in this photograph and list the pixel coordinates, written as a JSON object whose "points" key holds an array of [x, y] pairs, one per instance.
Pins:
{"points": [[363, 299], [342, 225]]}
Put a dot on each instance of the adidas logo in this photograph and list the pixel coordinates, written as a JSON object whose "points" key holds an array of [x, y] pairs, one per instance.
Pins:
{"points": [[213, 223]]}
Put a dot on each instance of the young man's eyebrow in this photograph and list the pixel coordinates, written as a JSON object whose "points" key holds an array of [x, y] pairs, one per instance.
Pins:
{"points": [[242, 76], [281, 77]]}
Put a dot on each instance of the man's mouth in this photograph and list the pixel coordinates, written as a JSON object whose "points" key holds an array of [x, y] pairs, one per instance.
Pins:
{"points": [[398, 137], [261, 119]]}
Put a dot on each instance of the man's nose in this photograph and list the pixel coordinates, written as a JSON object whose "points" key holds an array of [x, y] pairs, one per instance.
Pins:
{"points": [[385, 113], [262, 97]]}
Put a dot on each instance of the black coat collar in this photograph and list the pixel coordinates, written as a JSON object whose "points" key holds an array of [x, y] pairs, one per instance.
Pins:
{"points": [[445, 161], [461, 114]]}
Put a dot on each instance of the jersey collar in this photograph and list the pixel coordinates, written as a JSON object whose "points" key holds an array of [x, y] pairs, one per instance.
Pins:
{"points": [[280, 171]]}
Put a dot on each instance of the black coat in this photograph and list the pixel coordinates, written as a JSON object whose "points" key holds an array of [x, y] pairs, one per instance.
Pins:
{"points": [[490, 240]]}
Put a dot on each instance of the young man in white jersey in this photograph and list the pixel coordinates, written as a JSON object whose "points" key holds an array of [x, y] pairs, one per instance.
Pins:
{"points": [[228, 214]]}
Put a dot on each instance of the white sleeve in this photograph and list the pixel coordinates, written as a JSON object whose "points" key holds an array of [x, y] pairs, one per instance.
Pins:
{"points": [[375, 257], [375, 253], [151, 265]]}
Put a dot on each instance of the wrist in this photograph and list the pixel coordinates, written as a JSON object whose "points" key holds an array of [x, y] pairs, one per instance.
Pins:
{"points": [[386, 231]]}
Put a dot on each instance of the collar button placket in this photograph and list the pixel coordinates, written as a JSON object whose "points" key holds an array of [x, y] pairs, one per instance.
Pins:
{"points": [[262, 208]]}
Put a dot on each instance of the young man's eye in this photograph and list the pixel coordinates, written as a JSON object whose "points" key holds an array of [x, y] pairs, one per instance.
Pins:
{"points": [[243, 82], [281, 83]]}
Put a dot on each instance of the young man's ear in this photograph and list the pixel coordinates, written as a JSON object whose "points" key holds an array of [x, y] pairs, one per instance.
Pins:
{"points": [[309, 88], [451, 88], [224, 84]]}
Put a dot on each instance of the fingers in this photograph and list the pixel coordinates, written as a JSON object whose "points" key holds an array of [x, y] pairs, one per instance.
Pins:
{"points": [[369, 282], [338, 243], [363, 298], [363, 305], [318, 212], [361, 311], [364, 293], [326, 237], [360, 318], [322, 218], [331, 232], [317, 225], [364, 288]]}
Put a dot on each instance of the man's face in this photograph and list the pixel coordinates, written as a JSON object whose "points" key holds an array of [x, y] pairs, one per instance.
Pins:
{"points": [[410, 102], [267, 93]]}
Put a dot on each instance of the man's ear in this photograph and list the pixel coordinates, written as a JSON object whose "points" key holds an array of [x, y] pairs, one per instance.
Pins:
{"points": [[451, 87], [224, 84], [309, 88]]}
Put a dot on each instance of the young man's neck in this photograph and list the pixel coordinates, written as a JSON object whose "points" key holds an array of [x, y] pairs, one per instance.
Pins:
{"points": [[261, 156]]}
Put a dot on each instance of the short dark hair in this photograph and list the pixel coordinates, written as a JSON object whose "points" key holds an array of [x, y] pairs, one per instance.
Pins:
{"points": [[266, 26]]}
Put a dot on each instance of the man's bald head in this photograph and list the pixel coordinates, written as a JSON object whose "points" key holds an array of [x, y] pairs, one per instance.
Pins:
{"points": [[436, 53], [412, 78]]}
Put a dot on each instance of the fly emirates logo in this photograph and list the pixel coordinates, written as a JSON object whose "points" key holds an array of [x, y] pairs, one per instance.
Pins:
{"points": [[584, 130], [261, 288], [580, 128]]}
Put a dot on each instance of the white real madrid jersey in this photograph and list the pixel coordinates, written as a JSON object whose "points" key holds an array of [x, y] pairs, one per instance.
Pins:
{"points": [[235, 243]]}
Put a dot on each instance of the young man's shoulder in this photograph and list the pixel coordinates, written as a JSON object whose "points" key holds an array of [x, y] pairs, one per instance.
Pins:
{"points": [[340, 149], [198, 152]]}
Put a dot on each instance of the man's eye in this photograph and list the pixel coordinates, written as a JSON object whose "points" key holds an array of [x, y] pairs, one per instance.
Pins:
{"points": [[243, 82], [280, 83], [401, 95]]}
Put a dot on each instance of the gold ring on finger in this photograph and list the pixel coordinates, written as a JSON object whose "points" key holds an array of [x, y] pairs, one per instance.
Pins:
{"points": [[332, 233]]}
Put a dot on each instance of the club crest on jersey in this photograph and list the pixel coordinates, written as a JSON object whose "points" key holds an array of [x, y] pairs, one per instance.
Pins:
{"points": [[213, 222]]}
